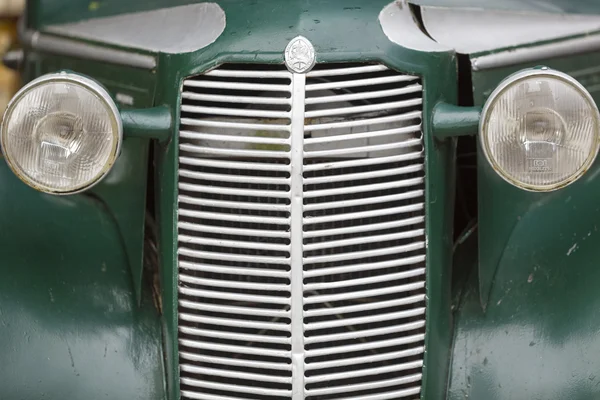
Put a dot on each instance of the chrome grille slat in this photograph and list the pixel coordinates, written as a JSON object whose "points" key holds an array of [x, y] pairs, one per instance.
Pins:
{"points": [[232, 257], [234, 125], [363, 372], [265, 312], [236, 362], [233, 296], [367, 320], [352, 110], [361, 162], [301, 234], [234, 179], [370, 385], [364, 188], [272, 326], [214, 163], [363, 360], [354, 255], [229, 152], [363, 240], [363, 122], [359, 82], [367, 227], [387, 395], [241, 375], [234, 112], [233, 336], [365, 281], [241, 388], [235, 99], [237, 86], [366, 333], [364, 95], [224, 283], [230, 243], [318, 73], [364, 214], [360, 307], [363, 149], [232, 349], [231, 138], [366, 175], [234, 217]]}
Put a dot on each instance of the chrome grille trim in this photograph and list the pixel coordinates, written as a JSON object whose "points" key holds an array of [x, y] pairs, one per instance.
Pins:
{"points": [[301, 234]]}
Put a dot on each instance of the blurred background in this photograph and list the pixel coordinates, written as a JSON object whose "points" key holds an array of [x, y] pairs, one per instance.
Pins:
{"points": [[10, 11]]}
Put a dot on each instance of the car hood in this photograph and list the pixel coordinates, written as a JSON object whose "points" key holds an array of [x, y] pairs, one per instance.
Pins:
{"points": [[473, 27], [478, 27]]}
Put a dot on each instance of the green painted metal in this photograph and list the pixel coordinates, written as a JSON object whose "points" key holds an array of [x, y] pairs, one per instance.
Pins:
{"points": [[62, 11], [452, 121], [538, 337], [526, 322], [70, 324], [149, 123]]}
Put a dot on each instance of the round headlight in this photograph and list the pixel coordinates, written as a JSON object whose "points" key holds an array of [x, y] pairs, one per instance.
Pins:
{"points": [[540, 129], [61, 133]]}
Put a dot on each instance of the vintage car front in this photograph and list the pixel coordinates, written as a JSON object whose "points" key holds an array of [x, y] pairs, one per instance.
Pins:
{"points": [[264, 200]]}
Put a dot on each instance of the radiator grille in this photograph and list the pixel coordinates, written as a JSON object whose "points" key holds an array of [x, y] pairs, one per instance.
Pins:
{"points": [[361, 266]]}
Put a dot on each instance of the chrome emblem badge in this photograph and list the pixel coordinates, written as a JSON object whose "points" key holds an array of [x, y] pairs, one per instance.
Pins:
{"points": [[299, 55]]}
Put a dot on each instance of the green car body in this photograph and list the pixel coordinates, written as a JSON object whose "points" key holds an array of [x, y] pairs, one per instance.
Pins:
{"points": [[87, 311]]}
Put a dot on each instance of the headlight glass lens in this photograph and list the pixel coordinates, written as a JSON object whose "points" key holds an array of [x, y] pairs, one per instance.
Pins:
{"points": [[61, 133], [539, 130]]}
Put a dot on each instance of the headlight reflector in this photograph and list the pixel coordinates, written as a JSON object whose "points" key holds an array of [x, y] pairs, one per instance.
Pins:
{"points": [[61, 133], [540, 129]]}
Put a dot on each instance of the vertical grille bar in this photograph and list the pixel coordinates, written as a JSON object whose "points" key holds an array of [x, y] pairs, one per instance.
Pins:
{"points": [[301, 234], [298, 83]]}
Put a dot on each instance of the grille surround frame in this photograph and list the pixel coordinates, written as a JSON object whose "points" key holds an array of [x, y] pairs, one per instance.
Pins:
{"points": [[300, 81]]}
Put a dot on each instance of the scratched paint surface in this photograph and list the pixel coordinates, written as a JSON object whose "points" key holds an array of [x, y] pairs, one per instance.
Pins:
{"points": [[70, 327], [539, 337]]}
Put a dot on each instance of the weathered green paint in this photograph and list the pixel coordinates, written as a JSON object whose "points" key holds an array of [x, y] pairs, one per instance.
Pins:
{"points": [[538, 337], [526, 325], [451, 121], [70, 324], [149, 123]]}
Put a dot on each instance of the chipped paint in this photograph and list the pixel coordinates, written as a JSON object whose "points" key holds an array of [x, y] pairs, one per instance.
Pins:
{"points": [[182, 29], [399, 25], [572, 249]]}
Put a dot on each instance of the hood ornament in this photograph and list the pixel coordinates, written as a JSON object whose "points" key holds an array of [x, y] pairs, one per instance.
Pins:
{"points": [[299, 55]]}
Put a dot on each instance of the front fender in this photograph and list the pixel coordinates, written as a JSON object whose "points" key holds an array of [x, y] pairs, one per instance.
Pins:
{"points": [[70, 325], [539, 337]]}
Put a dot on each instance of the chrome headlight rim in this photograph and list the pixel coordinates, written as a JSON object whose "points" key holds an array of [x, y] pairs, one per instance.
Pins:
{"points": [[507, 83], [103, 96]]}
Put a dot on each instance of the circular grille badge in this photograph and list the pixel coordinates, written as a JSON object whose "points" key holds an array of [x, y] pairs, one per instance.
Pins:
{"points": [[299, 55]]}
